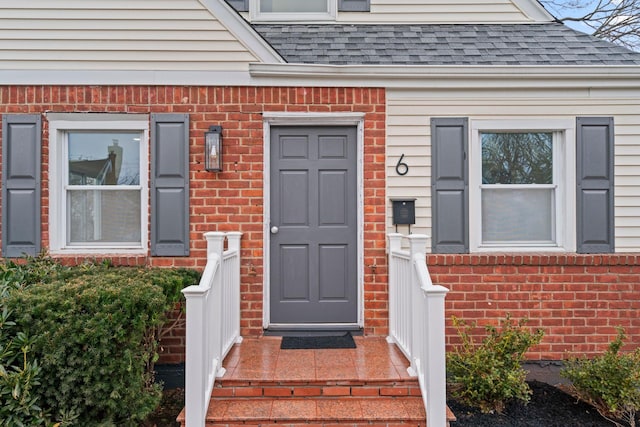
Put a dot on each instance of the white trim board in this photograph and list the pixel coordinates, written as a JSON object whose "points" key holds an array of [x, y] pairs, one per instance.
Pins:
{"points": [[534, 10], [311, 119], [389, 76], [445, 76], [126, 77]]}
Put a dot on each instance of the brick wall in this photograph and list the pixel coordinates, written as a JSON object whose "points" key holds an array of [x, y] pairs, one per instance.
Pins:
{"points": [[231, 200], [578, 300]]}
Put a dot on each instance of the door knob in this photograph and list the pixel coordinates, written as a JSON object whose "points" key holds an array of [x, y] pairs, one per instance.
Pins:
{"points": [[274, 230]]}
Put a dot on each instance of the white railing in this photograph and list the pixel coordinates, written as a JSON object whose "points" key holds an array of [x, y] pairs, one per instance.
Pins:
{"points": [[213, 323], [417, 323]]}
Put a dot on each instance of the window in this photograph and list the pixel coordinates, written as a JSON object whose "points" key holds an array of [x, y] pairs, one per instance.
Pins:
{"points": [[287, 10], [294, 6], [98, 185], [520, 176], [517, 187]]}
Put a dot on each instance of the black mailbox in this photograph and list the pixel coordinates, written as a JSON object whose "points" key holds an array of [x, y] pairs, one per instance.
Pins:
{"points": [[404, 211]]}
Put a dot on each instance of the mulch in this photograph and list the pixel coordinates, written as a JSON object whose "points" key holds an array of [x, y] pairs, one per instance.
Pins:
{"points": [[549, 407]]}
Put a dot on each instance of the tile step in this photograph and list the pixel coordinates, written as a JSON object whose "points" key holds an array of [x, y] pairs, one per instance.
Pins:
{"points": [[316, 410], [328, 423], [286, 389]]}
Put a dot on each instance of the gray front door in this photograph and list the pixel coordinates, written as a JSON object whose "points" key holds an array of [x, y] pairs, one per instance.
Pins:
{"points": [[313, 230]]}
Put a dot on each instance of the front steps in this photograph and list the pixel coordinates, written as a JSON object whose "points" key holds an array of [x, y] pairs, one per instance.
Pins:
{"points": [[266, 386], [317, 402]]}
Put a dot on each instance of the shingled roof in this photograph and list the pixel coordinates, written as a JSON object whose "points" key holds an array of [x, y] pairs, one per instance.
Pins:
{"points": [[442, 44]]}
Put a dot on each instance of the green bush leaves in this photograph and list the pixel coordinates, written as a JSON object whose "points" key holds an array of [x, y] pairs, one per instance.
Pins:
{"points": [[489, 374], [609, 382], [19, 375], [80, 342]]}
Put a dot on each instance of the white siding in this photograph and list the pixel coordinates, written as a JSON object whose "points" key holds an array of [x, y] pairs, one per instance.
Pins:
{"points": [[116, 35], [409, 133], [440, 11]]}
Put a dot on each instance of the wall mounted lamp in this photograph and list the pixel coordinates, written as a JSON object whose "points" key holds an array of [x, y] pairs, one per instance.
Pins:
{"points": [[213, 149]]}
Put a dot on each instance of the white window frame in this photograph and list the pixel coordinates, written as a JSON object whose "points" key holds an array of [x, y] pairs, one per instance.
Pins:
{"points": [[59, 127], [257, 16], [564, 172]]}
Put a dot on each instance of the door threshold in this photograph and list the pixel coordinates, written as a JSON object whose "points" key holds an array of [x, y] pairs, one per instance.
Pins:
{"points": [[312, 330]]}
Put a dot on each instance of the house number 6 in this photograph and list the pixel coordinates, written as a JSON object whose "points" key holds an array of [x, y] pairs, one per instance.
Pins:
{"points": [[401, 167]]}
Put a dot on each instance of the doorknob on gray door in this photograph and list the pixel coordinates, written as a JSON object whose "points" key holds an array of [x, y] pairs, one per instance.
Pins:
{"points": [[274, 230]]}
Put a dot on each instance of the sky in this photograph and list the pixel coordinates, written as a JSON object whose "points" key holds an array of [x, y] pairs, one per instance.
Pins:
{"points": [[559, 12], [630, 40]]}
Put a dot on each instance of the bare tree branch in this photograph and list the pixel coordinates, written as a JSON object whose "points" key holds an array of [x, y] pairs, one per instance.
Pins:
{"points": [[617, 21]]}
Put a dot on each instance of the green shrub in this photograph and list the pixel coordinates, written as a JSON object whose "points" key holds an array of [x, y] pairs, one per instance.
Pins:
{"points": [[31, 270], [489, 374], [19, 375], [609, 382], [94, 332]]}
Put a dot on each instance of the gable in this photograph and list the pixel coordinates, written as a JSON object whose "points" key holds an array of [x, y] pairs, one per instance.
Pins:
{"points": [[135, 35]]}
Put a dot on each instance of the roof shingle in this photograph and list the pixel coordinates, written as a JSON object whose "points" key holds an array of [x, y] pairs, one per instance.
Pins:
{"points": [[442, 44]]}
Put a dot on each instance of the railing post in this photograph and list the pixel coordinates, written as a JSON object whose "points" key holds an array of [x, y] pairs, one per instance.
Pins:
{"points": [[435, 358], [233, 245], [215, 246], [417, 245], [395, 244], [215, 243], [196, 364], [432, 353], [233, 239]]}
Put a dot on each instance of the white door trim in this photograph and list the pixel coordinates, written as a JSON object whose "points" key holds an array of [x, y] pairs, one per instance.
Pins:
{"points": [[310, 119]]}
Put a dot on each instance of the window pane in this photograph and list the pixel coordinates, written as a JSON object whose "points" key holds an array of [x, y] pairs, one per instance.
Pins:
{"points": [[524, 215], [294, 6], [517, 158], [104, 158], [104, 216]]}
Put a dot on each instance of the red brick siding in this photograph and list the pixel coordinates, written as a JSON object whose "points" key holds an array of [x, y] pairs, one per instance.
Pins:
{"points": [[578, 300], [231, 200]]}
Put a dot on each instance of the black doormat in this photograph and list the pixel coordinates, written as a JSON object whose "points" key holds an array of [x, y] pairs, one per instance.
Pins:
{"points": [[313, 343]]}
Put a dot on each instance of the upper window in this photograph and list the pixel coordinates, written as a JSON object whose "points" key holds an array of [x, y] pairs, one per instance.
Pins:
{"points": [[288, 10], [519, 188], [99, 186]]}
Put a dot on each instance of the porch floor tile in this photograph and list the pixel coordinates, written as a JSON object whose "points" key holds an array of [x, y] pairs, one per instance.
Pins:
{"points": [[261, 359]]}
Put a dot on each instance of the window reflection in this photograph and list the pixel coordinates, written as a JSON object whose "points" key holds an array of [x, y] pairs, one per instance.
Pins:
{"points": [[100, 158], [111, 214], [293, 6], [517, 158]]}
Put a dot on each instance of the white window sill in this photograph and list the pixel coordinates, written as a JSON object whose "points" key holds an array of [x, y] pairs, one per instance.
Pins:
{"points": [[293, 17], [99, 251], [519, 249]]}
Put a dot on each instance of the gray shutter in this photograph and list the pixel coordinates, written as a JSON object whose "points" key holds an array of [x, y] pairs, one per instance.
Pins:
{"points": [[239, 5], [170, 184], [21, 154], [354, 5], [449, 185], [595, 171]]}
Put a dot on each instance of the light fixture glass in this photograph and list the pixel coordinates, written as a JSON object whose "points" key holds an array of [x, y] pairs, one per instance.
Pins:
{"points": [[213, 149]]}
